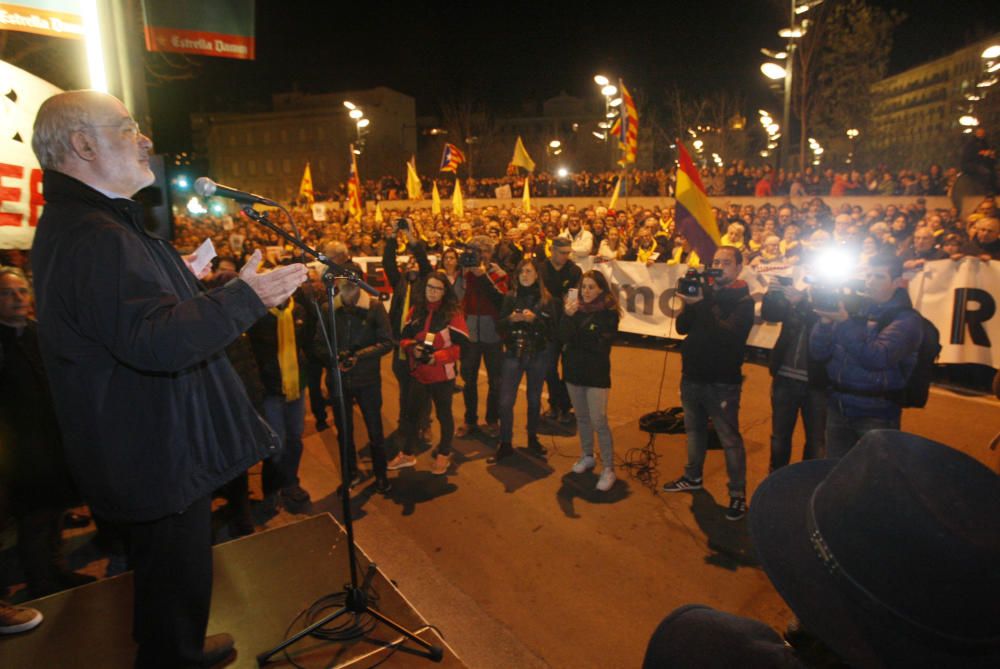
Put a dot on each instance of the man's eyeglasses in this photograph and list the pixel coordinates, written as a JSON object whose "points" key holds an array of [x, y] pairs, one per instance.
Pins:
{"points": [[127, 127]]}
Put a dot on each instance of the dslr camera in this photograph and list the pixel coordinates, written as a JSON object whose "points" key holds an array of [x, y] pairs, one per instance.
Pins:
{"points": [[346, 359], [470, 256], [402, 224], [694, 282], [423, 351]]}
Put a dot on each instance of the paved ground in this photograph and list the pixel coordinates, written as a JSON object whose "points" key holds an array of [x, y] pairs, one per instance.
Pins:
{"points": [[525, 564]]}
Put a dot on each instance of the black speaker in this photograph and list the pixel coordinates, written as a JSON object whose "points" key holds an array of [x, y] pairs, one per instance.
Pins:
{"points": [[155, 201]]}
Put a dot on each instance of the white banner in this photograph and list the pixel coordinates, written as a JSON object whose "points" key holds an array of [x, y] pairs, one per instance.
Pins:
{"points": [[20, 176], [958, 297]]}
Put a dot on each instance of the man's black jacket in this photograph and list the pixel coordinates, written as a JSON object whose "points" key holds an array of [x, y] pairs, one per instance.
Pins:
{"points": [[717, 328], [400, 283], [153, 416], [365, 332]]}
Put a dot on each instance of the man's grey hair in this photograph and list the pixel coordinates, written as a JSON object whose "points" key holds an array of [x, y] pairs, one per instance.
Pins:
{"points": [[58, 118], [13, 271], [482, 242]]}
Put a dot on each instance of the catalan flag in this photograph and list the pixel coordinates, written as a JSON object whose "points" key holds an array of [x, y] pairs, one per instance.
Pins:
{"points": [[694, 216], [627, 126], [354, 189], [451, 158]]}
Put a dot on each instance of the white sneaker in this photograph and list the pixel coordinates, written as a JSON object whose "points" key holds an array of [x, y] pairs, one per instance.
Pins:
{"points": [[584, 463], [607, 479]]}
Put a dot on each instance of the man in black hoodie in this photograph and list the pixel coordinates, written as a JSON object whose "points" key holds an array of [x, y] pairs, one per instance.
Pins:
{"points": [[717, 323]]}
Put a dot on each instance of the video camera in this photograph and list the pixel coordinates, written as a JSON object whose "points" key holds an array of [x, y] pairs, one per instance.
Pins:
{"points": [[693, 283], [832, 281]]}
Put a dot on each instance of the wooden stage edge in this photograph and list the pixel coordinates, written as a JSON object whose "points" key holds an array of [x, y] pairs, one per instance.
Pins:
{"points": [[261, 583]]}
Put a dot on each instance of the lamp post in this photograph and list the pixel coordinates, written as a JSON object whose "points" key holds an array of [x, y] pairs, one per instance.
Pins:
{"points": [[609, 91]]}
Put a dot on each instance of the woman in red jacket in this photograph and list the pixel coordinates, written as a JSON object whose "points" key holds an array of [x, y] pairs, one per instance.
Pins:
{"points": [[434, 331]]}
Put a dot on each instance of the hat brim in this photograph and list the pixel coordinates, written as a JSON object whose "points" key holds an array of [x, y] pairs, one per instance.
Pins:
{"points": [[777, 524]]}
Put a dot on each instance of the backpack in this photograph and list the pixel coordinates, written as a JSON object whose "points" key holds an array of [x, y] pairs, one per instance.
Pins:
{"points": [[918, 385]]}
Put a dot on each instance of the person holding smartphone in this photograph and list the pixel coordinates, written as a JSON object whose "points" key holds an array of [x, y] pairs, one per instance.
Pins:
{"points": [[431, 339], [525, 326], [587, 330]]}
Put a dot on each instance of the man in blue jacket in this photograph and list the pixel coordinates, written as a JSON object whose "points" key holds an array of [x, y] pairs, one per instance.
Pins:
{"points": [[153, 416], [869, 356]]}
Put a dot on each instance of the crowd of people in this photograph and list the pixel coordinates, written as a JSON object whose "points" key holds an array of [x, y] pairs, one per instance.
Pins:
{"points": [[213, 364]]}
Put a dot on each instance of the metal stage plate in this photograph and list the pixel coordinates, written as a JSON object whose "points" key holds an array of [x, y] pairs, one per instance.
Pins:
{"points": [[261, 583]]}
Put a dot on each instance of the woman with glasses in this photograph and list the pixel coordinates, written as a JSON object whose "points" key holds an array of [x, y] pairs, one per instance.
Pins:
{"points": [[434, 330], [525, 324], [586, 331]]}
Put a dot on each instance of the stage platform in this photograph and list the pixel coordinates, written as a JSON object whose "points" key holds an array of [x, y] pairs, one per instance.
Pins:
{"points": [[262, 582]]}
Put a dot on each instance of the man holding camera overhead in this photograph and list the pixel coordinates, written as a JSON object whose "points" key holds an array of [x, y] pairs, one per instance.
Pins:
{"points": [[717, 316], [869, 356]]}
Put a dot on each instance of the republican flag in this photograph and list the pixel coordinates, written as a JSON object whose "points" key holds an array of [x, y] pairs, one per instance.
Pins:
{"points": [[694, 216], [354, 189], [451, 158], [627, 126], [306, 185]]}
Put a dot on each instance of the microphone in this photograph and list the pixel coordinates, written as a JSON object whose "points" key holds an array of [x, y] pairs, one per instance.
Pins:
{"points": [[205, 187]]}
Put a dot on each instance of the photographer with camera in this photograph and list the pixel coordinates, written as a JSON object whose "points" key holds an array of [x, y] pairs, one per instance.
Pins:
{"points": [[431, 339], [363, 337], [406, 287], [798, 382], [717, 316], [869, 354], [525, 324], [485, 286], [559, 274]]}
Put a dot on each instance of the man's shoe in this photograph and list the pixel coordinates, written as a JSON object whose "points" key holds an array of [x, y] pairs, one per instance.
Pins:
{"points": [[535, 448], [400, 461], [504, 450], [295, 499], [551, 414], [321, 425], [440, 465], [584, 463], [492, 430], [464, 430], [15, 619], [566, 418], [683, 484], [737, 508], [73, 521], [382, 484], [216, 649], [607, 479]]}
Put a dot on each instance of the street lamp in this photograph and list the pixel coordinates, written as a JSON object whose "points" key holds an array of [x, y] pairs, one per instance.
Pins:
{"points": [[609, 91], [773, 71], [601, 80]]}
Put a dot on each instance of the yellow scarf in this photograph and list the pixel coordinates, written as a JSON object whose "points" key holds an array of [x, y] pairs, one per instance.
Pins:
{"points": [[288, 358]]}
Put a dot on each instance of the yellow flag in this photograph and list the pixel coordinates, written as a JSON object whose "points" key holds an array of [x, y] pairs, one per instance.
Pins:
{"points": [[521, 157], [413, 189], [306, 187], [457, 204], [435, 200], [378, 213], [614, 196], [526, 198]]}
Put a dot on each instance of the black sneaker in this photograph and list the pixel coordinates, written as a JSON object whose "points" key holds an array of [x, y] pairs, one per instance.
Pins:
{"points": [[382, 484], [683, 484], [536, 448], [551, 414], [737, 508], [504, 450]]}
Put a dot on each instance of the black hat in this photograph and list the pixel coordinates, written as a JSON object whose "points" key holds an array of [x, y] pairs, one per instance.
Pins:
{"points": [[890, 555]]}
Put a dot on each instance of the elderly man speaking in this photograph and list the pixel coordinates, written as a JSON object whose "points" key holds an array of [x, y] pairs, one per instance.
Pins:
{"points": [[153, 416]]}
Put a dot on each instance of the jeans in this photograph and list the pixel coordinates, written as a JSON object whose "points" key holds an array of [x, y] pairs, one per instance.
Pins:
{"points": [[313, 370], [842, 432], [369, 399], [536, 366], [591, 406], [789, 397], [287, 419], [401, 370], [558, 397], [420, 394], [721, 403], [492, 356]]}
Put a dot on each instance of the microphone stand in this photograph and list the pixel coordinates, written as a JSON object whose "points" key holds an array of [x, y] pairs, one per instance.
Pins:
{"points": [[356, 598]]}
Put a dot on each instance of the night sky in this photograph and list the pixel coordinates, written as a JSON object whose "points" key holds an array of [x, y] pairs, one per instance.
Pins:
{"points": [[504, 53]]}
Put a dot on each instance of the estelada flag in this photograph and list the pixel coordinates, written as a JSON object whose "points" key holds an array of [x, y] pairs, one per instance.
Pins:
{"points": [[354, 189], [451, 158], [693, 214], [627, 126]]}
